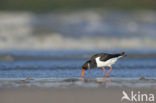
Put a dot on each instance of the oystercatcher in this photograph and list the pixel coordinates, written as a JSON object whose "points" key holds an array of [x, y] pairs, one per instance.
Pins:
{"points": [[101, 60]]}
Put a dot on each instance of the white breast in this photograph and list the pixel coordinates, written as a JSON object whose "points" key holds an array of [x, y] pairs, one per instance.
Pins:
{"points": [[106, 63]]}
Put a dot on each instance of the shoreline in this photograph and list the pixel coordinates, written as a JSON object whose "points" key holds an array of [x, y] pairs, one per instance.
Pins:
{"points": [[50, 90], [77, 82]]}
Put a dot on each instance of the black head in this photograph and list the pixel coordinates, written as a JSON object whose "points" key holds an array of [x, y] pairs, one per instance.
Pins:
{"points": [[86, 65]]}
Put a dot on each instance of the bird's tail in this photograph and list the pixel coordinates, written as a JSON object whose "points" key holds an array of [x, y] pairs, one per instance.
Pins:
{"points": [[118, 55], [123, 54]]}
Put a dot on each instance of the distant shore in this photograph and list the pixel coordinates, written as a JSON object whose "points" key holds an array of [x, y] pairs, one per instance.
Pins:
{"points": [[96, 29], [51, 5]]}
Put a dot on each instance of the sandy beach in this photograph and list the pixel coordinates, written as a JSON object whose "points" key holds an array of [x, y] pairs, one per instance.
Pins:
{"points": [[67, 95], [59, 95], [73, 90]]}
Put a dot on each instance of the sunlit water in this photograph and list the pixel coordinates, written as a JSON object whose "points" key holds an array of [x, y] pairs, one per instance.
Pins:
{"points": [[67, 64]]}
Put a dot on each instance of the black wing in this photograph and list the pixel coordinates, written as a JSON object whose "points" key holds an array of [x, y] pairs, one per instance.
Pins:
{"points": [[104, 56]]}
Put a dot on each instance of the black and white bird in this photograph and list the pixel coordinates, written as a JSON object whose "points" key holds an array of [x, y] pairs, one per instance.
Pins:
{"points": [[101, 60]]}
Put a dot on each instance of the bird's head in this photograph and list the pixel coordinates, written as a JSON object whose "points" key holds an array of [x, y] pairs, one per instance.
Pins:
{"points": [[86, 65]]}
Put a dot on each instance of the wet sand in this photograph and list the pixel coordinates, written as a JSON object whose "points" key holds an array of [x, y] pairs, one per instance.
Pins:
{"points": [[59, 95], [72, 90], [77, 82], [66, 95]]}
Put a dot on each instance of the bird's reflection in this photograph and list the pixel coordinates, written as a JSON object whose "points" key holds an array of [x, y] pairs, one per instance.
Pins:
{"points": [[83, 79], [101, 81], [106, 81]]}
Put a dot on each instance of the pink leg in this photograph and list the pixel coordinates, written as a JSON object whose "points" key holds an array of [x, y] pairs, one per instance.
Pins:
{"points": [[83, 79], [109, 71], [103, 71]]}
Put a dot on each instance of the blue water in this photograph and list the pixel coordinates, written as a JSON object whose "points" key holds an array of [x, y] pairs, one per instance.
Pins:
{"points": [[67, 64]]}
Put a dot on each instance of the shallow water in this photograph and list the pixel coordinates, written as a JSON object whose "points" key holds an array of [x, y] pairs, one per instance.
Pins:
{"points": [[67, 64], [77, 82]]}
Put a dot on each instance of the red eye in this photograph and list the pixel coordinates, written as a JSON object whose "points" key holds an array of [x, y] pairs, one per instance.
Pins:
{"points": [[84, 66]]}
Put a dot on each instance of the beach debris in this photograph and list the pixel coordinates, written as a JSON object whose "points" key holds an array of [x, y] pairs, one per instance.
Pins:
{"points": [[28, 78], [22, 82], [143, 78], [71, 80], [6, 57]]}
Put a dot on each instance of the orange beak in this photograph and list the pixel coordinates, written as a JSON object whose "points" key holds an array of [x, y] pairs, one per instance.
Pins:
{"points": [[82, 73]]}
